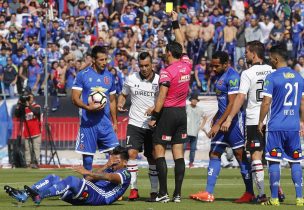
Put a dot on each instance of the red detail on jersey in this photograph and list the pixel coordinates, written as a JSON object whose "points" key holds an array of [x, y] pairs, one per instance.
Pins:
{"points": [[296, 154], [106, 80]]}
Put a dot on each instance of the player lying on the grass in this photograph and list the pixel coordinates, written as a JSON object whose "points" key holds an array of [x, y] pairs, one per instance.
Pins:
{"points": [[103, 187]]}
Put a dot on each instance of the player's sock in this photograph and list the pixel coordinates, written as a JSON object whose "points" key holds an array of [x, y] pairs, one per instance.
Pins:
{"points": [[258, 175], [133, 169], [45, 183], [296, 174], [214, 169], [246, 175], [70, 183], [162, 169], [153, 175], [87, 162], [179, 172], [274, 178]]}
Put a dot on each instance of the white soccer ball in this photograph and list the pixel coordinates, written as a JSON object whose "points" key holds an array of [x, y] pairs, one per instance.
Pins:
{"points": [[98, 98]]}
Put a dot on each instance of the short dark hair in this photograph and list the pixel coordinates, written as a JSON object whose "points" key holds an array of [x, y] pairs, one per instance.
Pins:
{"points": [[98, 49], [123, 152], [175, 48], [144, 55], [257, 47], [222, 56], [279, 50]]}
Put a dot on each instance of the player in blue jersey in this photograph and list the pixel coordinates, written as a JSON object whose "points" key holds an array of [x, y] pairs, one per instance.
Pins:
{"points": [[102, 187], [96, 129], [283, 92], [227, 87]]}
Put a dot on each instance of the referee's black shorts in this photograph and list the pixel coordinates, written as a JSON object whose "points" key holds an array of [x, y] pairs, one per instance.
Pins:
{"points": [[254, 140], [138, 137], [171, 127]]}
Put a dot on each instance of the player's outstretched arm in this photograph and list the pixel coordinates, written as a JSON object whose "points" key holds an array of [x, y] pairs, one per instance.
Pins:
{"points": [[263, 112], [237, 104]]}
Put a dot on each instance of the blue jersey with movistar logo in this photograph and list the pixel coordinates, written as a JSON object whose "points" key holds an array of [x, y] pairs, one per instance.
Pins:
{"points": [[286, 87], [88, 80], [228, 83]]}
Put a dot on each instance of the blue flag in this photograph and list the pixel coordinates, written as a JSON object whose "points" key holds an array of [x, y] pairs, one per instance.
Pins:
{"points": [[6, 125]]}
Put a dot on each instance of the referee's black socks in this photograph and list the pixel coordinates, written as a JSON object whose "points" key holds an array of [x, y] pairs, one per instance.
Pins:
{"points": [[179, 171], [161, 167]]}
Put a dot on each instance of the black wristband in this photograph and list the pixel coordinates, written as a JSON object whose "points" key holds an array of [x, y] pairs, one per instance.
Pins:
{"points": [[154, 116], [175, 24]]}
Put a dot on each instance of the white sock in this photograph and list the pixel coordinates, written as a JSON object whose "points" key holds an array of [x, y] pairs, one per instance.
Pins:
{"points": [[133, 169], [258, 175], [153, 178]]}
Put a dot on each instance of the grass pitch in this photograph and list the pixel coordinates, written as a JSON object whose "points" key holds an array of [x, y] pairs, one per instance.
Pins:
{"points": [[229, 187]]}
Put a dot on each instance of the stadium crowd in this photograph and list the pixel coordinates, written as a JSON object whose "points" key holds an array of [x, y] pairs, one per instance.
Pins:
{"points": [[28, 36]]}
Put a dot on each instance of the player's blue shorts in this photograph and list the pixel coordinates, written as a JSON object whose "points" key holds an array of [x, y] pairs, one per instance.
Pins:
{"points": [[101, 136], [283, 145], [234, 138], [89, 194]]}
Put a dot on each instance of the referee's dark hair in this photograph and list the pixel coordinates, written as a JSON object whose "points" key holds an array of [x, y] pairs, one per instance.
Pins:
{"points": [[279, 50], [123, 152], [98, 49], [175, 48], [222, 56], [258, 48], [144, 55]]}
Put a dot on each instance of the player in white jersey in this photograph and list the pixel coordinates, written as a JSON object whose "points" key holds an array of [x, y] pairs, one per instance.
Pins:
{"points": [[251, 87], [143, 88]]}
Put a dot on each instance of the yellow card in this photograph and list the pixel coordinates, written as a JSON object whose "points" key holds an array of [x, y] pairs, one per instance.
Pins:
{"points": [[169, 7]]}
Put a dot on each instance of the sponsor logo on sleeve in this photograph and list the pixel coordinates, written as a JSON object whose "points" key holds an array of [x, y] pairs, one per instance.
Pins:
{"points": [[234, 83]]}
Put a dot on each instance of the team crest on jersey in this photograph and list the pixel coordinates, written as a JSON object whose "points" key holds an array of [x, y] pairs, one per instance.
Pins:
{"points": [[220, 82], [276, 153], [155, 87], [297, 154], [106, 80], [98, 89]]}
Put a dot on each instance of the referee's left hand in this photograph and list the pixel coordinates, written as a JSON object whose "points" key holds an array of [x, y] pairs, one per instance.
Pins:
{"points": [[152, 123]]}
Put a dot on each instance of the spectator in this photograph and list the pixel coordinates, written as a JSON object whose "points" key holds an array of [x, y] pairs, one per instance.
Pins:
{"points": [[276, 34], [128, 17], [299, 67], [10, 77], [34, 75], [200, 75], [207, 34], [238, 7], [19, 57], [297, 34], [23, 75], [229, 38], [3, 57], [266, 26], [118, 79], [70, 76], [241, 66], [76, 52], [195, 119], [253, 32]]}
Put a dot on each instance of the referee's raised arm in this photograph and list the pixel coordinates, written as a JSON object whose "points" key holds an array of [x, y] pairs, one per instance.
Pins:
{"points": [[177, 32]]}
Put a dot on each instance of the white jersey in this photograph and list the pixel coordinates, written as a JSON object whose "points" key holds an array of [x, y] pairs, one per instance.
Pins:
{"points": [[252, 83], [143, 96]]}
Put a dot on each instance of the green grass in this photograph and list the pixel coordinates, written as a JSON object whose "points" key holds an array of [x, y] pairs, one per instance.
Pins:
{"points": [[228, 189]]}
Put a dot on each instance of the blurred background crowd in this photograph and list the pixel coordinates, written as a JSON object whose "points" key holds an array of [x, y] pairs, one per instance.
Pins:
{"points": [[30, 39]]}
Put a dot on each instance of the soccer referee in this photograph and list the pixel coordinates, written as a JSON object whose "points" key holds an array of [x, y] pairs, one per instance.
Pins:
{"points": [[169, 116]]}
